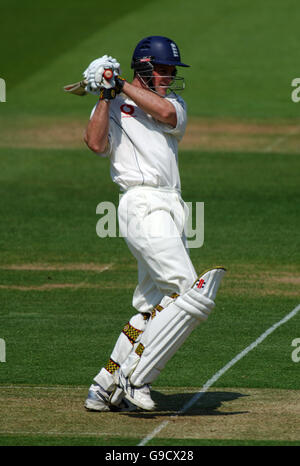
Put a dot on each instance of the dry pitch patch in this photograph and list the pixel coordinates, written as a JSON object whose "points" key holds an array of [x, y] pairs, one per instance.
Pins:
{"points": [[201, 134], [221, 413], [280, 280], [263, 281], [93, 267], [32, 267], [218, 135]]}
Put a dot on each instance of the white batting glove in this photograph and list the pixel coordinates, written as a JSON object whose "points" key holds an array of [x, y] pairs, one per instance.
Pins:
{"points": [[94, 74], [94, 65]]}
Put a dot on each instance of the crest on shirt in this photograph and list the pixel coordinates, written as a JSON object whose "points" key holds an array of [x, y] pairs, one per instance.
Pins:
{"points": [[127, 109]]}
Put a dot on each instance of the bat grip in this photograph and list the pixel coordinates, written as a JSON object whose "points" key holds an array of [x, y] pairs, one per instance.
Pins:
{"points": [[108, 73]]}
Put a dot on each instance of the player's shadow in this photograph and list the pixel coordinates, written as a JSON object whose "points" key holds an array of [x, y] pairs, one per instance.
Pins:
{"points": [[208, 404]]}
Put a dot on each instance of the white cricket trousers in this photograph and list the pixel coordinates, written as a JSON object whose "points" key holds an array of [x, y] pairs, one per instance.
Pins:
{"points": [[152, 221]]}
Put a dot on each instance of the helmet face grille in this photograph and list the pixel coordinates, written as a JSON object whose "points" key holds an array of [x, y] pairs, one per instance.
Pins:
{"points": [[177, 83], [143, 66]]}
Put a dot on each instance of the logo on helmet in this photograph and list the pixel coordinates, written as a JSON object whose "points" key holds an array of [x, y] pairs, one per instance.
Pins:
{"points": [[174, 50]]}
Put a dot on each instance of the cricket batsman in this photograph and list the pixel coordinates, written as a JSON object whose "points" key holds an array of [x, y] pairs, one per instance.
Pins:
{"points": [[138, 126]]}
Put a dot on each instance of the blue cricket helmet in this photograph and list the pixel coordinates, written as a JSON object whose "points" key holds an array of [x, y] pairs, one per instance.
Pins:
{"points": [[158, 50]]}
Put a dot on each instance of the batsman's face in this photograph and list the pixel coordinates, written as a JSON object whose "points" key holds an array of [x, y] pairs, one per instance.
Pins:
{"points": [[162, 78]]}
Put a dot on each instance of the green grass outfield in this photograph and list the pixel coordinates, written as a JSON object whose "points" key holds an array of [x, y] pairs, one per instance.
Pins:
{"points": [[91, 442], [65, 293], [59, 322], [243, 54]]}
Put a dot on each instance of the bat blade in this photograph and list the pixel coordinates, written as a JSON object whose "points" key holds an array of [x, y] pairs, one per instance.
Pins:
{"points": [[76, 88]]}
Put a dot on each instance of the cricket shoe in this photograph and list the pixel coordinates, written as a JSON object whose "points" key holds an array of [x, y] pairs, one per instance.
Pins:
{"points": [[138, 396], [98, 400]]}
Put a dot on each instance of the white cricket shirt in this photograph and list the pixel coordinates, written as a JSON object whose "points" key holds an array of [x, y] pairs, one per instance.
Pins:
{"points": [[142, 150]]}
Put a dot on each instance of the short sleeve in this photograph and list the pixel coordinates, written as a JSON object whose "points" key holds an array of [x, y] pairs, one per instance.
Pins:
{"points": [[181, 113]]}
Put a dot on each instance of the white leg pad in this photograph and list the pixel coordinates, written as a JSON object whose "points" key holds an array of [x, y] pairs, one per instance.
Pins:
{"points": [[168, 331], [170, 328], [195, 304], [128, 339]]}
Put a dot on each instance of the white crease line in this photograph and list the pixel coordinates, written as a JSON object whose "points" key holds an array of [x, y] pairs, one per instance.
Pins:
{"points": [[35, 387], [60, 434], [280, 140], [58, 387], [218, 374]]}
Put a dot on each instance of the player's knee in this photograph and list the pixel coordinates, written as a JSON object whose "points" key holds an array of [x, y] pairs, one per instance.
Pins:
{"points": [[139, 321], [195, 304]]}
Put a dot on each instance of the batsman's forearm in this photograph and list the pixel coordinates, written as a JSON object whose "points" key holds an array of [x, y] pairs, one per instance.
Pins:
{"points": [[96, 134], [156, 106]]}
